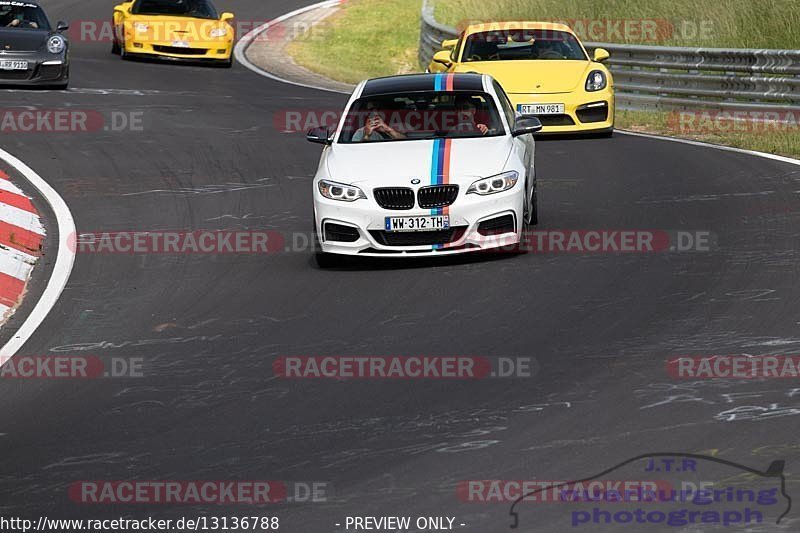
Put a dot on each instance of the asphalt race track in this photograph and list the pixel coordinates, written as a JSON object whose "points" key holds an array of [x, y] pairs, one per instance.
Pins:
{"points": [[208, 328]]}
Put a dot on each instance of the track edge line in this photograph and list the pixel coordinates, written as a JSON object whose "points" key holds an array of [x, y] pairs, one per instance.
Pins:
{"points": [[65, 258], [701, 144]]}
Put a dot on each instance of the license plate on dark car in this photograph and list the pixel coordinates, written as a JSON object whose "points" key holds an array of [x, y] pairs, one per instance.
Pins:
{"points": [[9, 64]]}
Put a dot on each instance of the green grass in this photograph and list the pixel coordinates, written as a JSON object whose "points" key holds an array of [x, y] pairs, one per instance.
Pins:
{"points": [[785, 142], [366, 39], [370, 38], [724, 23]]}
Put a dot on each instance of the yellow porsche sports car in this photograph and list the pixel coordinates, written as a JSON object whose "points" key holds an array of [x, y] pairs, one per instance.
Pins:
{"points": [[543, 67], [188, 30]]}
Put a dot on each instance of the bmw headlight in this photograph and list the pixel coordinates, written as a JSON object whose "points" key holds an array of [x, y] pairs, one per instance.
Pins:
{"points": [[596, 81], [56, 44], [340, 191], [141, 27], [494, 184], [219, 32]]}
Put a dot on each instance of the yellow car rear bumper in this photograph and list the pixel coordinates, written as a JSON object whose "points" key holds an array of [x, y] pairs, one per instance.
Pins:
{"points": [[583, 111]]}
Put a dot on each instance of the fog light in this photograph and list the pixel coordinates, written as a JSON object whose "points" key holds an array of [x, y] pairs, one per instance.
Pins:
{"points": [[222, 51], [137, 45]]}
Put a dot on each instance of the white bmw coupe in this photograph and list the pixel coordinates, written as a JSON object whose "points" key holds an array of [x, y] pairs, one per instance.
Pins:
{"points": [[425, 164]]}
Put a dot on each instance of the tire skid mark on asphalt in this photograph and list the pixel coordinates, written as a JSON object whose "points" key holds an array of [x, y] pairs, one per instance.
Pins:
{"points": [[207, 189]]}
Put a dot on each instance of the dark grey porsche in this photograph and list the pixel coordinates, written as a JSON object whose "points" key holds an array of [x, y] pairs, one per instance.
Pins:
{"points": [[32, 52]]}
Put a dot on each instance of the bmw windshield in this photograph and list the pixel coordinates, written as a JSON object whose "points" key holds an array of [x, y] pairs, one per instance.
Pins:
{"points": [[509, 45], [421, 116]]}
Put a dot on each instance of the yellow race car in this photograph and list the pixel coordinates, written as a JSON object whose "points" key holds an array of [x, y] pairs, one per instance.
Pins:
{"points": [[544, 69], [188, 30]]}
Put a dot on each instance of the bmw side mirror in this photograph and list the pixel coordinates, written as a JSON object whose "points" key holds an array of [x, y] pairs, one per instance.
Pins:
{"points": [[526, 124], [62, 26], [225, 17], [319, 136]]}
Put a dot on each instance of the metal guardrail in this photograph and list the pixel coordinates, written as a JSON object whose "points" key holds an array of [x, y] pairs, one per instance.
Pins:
{"points": [[662, 77]]}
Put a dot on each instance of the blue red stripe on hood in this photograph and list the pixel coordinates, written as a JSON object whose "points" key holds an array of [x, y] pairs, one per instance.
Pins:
{"points": [[440, 157]]}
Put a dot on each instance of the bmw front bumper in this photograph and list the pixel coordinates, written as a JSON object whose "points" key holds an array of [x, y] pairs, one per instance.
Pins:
{"points": [[476, 223]]}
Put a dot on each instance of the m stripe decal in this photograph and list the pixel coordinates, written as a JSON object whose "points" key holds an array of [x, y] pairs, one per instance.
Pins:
{"points": [[440, 158], [444, 82]]}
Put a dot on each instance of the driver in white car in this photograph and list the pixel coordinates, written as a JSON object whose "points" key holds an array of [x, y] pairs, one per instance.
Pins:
{"points": [[375, 128], [467, 110]]}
